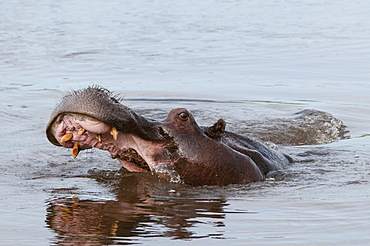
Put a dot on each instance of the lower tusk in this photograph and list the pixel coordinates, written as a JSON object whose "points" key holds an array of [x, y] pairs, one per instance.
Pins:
{"points": [[75, 149], [114, 133], [66, 137], [98, 137]]}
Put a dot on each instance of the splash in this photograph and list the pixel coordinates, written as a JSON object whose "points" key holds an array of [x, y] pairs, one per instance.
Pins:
{"points": [[309, 127]]}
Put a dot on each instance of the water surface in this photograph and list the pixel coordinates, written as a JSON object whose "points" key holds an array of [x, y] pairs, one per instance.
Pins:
{"points": [[254, 64]]}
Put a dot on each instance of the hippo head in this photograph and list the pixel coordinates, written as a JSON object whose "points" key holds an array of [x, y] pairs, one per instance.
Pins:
{"points": [[176, 148]]}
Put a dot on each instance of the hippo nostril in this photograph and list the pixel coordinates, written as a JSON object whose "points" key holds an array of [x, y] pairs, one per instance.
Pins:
{"points": [[183, 116]]}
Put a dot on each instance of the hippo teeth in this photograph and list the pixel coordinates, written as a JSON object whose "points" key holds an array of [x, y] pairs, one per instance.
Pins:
{"points": [[66, 137], [75, 149], [81, 131], [114, 133]]}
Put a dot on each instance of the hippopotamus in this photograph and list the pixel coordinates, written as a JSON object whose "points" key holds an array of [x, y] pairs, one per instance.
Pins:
{"points": [[176, 148]]}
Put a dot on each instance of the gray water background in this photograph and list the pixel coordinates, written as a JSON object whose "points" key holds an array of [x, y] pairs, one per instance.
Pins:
{"points": [[240, 60]]}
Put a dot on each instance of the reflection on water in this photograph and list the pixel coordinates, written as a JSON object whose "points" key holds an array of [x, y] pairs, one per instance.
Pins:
{"points": [[144, 207]]}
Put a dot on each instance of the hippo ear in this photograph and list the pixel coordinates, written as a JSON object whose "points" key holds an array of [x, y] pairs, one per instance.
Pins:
{"points": [[217, 130]]}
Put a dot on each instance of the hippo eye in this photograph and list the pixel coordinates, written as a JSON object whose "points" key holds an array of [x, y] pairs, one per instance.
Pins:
{"points": [[183, 116]]}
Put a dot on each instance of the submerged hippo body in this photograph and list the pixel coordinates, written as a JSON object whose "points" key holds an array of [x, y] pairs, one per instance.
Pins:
{"points": [[176, 148]]}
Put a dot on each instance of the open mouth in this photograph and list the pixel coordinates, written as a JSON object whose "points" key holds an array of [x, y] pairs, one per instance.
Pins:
{"points": [[81, 132], [131, 156]]}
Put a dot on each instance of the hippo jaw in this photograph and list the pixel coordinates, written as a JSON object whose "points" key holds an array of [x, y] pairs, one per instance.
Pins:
{"points": [[94, 118], [81, 132]]}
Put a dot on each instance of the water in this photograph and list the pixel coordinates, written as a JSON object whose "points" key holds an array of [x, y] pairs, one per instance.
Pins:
{"points": [[254, 64]]}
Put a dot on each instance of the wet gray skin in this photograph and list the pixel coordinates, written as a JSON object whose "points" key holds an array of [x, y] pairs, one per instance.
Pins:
{"points": [[176, 148]]}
